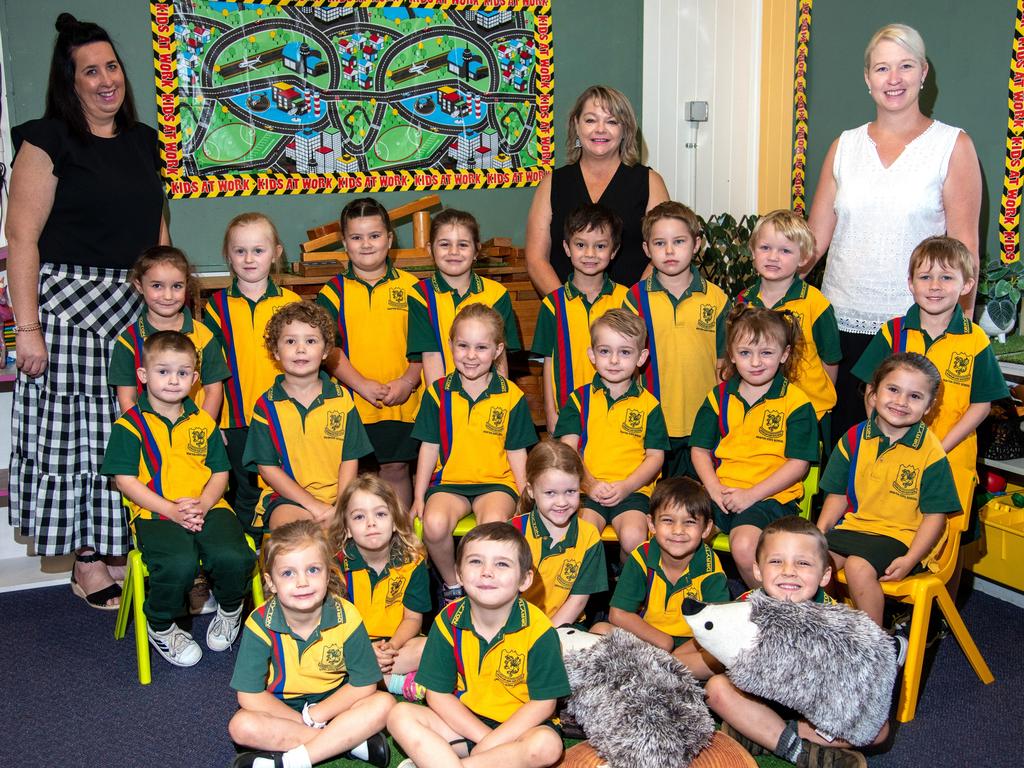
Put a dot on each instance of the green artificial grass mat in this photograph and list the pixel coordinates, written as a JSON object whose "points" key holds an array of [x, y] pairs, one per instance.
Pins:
{"points": [[1010, 351]]}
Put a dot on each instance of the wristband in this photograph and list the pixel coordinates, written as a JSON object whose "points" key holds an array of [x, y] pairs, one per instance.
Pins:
{"points": [[308, 719]]}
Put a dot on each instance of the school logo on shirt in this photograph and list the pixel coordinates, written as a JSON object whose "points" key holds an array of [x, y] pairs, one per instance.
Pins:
{"points": [[906, 481], [496, 420], [567, 576], [196, 442], [706, 317], [397, 298], [771, 425], [394, 590], [335, 427], [959, 369], [510, 668], [333, 659], [633, 424]]}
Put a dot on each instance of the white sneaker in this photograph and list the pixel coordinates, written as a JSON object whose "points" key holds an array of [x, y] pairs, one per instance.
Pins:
{"points": [[223, 629], [407, 763], [176, 645]]}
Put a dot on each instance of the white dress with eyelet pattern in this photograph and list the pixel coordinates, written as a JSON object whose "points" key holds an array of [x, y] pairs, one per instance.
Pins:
{"points": [[881, 215]]}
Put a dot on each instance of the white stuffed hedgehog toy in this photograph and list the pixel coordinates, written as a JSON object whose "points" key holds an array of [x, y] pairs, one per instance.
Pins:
{"points": [[830, 663]]}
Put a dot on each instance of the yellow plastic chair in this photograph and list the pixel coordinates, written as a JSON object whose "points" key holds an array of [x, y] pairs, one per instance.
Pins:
{"points": [[134, 594], [720, 542], [919, 591]]}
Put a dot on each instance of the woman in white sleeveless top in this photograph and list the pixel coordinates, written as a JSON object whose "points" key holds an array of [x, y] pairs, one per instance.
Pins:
{"points": [[885, 187]]}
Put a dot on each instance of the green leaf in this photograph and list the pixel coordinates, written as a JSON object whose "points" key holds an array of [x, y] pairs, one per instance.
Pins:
{"points": [[1002, 311], [1002, 289]]}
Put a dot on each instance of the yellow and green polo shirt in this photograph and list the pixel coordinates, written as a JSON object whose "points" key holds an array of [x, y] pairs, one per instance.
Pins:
{"points": [[614, 435], [126, 358], [563, 333], [273, 658], [748, 443], [307, 443], [821, 596], [685, 338], [474, 435], [383, 597], [372, 328], [889, 487], [644, 589], [573, 566], [970, 374], [820, 334], [175, 459], [522, 663], [239, 323], [433, 307]]}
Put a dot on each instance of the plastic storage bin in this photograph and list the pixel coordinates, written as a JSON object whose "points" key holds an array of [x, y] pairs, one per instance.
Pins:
{"points": [[999, 554]]}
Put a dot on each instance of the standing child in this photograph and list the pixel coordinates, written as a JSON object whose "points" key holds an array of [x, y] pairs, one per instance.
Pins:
{"points": [[168, 461], [238, 318], [677, 564], [369, 305], [756, 434], [568, 555], [305, 673], [384, 575], [474, 427], [781, 244], [454, 245], [889, 483], [685, 319], [618, 428], [306, 437], [942, 270], [592, 235], [163, 276], [492, 668]]}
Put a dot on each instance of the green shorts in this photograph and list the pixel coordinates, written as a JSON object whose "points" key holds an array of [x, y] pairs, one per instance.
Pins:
{"points": [[552, 723], [269, 501], [470, 490], [757, 515], [677, 459], [878, 550], [636, 501], [392, 441]]}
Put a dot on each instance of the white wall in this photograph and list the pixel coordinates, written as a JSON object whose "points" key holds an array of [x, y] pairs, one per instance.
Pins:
{"points": [[703, 50]]}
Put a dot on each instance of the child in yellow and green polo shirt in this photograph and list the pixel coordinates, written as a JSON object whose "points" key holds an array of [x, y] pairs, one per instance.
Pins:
{"points": [[369, 305], [492, 666], [306, 437], [168, 460], [685, 319], [592, 235]]}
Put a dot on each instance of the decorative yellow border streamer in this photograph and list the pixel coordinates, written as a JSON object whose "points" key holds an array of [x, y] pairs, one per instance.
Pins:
{"points": [[232, 185], [1009, 210], [803, 37]]}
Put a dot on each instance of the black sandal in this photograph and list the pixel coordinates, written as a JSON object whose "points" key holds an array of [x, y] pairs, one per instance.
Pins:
{"points": [[99, 598]]}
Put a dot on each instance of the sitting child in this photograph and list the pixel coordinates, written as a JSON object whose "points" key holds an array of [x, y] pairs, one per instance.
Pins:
{"points": [[492, 668], [305, 674], [568, 555], [677, 564], [791, 564], [384, 576], [169, 462]]}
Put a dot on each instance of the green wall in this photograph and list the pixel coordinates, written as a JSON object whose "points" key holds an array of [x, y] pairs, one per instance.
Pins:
{"points": [[968, 48], [594, 41]]}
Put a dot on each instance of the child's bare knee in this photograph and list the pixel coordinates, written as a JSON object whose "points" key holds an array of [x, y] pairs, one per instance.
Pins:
{"points": [[860, 570], [718, 689], [544, 747], [242, 726], [402, 716]]}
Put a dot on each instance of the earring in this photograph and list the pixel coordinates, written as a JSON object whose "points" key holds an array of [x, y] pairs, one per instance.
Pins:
{"points": [[577, 143], [869, 89], [922, 85]]}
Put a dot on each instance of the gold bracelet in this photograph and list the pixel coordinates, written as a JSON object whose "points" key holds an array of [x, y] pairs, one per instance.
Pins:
{"points": [[26, 328]]}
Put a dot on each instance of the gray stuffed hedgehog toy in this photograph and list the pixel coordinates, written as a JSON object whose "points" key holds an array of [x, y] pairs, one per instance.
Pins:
{"points": [[637, 704], [830, 663]]}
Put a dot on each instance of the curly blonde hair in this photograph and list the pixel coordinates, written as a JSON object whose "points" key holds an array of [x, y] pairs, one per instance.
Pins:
{"points": [[405, 545], [299, 535]]}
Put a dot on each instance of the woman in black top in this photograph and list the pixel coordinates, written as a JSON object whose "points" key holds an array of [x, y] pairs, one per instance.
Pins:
{"points": [[85, 200], [603, 168]]}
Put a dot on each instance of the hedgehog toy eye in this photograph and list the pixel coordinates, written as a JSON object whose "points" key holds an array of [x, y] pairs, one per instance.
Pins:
{"points": [[709, 625]]}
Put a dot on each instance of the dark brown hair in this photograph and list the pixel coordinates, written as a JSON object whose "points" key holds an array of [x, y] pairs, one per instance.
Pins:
{"points": [[670, 210], [166, 254], [502, 532], [681, 492], [591, 216], [548, 454], [912, 361], [364, 208], [450, 217], [303, 312]]}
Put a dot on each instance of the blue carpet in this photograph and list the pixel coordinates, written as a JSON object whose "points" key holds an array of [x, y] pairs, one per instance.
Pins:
{"points": [[69, 695]]}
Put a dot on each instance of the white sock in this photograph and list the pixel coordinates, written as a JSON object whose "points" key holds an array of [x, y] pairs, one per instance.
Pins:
{"points": [[296, 758], [360, 751], [263, 762]]}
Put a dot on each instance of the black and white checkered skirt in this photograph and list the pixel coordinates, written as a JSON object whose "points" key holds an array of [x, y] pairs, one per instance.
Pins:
{"points": [[62, 419]]}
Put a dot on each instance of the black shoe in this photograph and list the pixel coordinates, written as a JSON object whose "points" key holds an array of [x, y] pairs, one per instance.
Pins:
{"points": [[752, 747], [378, 749], [246, 759]]}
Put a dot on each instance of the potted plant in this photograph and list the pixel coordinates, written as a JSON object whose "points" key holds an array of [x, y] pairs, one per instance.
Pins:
{"points": [[726, 262], [1000, 284]]}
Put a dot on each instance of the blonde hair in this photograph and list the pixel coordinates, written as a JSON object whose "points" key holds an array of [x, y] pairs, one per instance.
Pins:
{"points": [[944, 251], [624, 323], [299, 535], [548, 454], [791, 225], [616, 103], [670, 210], [904, 36], [405, 545], [760, 323], [244, 220], [482, 314]]}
